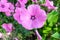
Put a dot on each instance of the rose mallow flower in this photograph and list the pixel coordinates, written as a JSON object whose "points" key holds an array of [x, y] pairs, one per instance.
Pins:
{"points": [[3, 6], [31, 18], [10, 10], [6, 7], [8, 27], [3, 0], [49, 4], [34, 18]]}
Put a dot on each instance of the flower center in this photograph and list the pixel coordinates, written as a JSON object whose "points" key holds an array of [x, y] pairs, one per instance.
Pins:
{"points": [[18, 4], [33, 17], [2, 6]]}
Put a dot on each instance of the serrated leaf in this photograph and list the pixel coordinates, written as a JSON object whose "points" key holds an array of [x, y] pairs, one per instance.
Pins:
{"points": [[56, 35], [52, 17]]}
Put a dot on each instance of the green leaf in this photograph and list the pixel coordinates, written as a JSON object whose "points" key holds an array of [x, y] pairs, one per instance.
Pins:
{"points": [[56, 35], [52, 17], [41, 1]]}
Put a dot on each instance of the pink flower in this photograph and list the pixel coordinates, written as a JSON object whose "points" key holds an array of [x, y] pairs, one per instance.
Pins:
{"points": [[8, 13], [38, 35], [6, 7], [33, 18], [34, 0], [3, 6], [7, 27], [23, 1], [10, 10], [17, 15], [11, 7], [49, 4]]}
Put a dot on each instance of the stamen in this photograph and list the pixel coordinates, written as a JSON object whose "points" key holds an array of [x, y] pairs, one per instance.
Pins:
{"points": [[33, 17]]}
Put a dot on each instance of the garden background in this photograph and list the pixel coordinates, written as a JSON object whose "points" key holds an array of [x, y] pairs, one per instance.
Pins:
{"points": [[50, 31]]}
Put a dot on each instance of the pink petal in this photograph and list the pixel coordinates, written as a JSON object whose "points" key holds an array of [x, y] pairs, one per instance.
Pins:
{"points": [[40, 14], [11, 7], [17, 17], [6, 6], [10, 26], [33, 9], [19, 11], [36, 11], [7, 27], [49, 4], [27, 24]]}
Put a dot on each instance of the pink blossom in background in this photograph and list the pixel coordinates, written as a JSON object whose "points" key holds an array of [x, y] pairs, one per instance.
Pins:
{"points": [[34, 18], [11, 7], [49, 4], [10, 10], [34, 1], [20, 5], [23, 1], [3, 6], [8, 27], [7, 8], [8, 13]]}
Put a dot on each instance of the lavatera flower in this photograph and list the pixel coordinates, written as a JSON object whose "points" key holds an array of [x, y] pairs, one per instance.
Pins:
{"points": [[31, 18], [3, 6], [49, 4], [20, 5], [8, 27], [34, 18], [6, 7]]}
